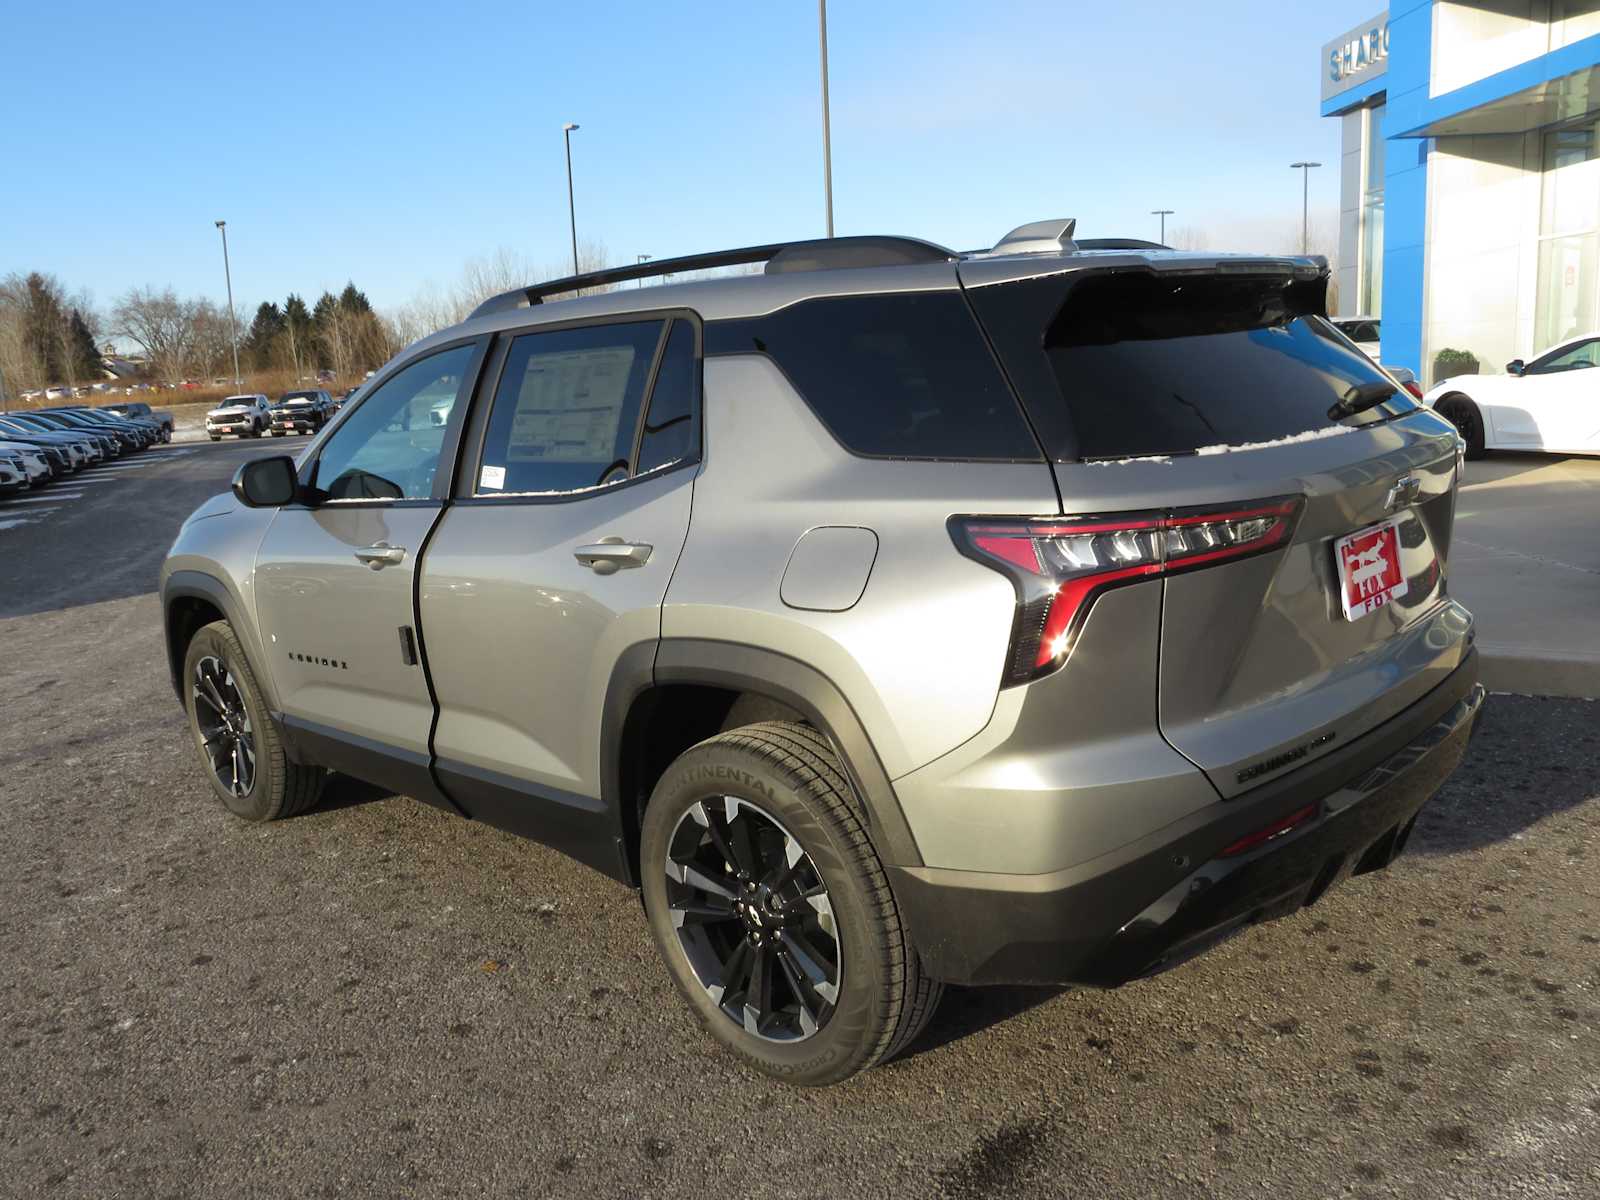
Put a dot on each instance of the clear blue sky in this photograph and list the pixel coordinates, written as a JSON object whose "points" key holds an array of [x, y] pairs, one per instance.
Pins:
{"points": [[389, 146]]}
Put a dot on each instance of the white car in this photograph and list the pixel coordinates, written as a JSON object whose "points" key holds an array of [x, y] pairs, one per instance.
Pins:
{"points": [[1551, 404], [34, 464], [12, 477], [247, 416]]}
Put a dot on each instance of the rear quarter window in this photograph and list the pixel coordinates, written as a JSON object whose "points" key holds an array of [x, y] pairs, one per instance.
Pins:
{"points": [[1150, 365], [903, 375]]}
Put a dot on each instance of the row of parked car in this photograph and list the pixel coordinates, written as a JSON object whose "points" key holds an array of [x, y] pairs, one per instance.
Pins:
{"points": [[40, 445], [252, 414]]}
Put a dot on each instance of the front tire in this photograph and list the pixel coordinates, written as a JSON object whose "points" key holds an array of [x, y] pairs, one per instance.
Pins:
{"points": [[240, 750], [773, 912], [1461, 412]]}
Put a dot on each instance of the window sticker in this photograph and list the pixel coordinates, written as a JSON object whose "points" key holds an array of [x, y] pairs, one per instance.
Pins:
{"points": [[492, 479], [570, 406]]}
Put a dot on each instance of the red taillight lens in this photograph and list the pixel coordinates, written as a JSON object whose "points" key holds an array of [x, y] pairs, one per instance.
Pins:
{"points": [[1060, 564], [1412, 386]]}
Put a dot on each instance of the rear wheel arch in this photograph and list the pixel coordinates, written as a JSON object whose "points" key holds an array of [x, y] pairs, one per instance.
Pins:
{"points": [[698, 689]]}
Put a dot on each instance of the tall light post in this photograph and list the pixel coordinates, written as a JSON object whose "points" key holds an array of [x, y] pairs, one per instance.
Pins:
{"points": [[1163, 213], [827, 135], [1305, 203], [572, 212], [643, 258], [233, 325]]}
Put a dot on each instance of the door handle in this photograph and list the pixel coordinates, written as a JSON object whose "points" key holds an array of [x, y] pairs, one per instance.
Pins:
{"points": [[380, 554], [610, 554]]}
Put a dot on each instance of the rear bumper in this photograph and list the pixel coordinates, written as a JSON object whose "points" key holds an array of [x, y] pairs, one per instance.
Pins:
{"points": [[1172, 895]]}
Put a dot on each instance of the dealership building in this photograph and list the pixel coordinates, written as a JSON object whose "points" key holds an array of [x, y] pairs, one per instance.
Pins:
{"points": [[1469, 213]]}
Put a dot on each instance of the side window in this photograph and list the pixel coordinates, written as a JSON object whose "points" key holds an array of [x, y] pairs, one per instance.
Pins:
{"points": [[388, 448], [670, 432], [566, 409], [904, 375], [1585, 354]]}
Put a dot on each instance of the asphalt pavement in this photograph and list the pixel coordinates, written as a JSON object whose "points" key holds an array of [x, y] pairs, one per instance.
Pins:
{"points": [[1526, 560], [377, 999]]}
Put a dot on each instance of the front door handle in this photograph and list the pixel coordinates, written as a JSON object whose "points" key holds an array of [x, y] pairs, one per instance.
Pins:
{"points": [[380, 554], [610, 554]]}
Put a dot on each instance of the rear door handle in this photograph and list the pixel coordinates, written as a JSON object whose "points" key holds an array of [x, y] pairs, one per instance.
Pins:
{"points": [[380, 554], [610, 554]]}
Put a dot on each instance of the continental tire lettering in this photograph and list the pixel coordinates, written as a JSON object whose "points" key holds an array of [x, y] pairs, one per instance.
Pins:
{"points": [[722, 773]]}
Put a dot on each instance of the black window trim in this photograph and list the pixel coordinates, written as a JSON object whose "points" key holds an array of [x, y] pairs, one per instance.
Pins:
{"points": [[470, 456], [746, 330], [1539, 366], [471, 378]]}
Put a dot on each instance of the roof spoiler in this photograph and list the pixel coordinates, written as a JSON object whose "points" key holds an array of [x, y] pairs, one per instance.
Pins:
{"points": [[780, 257]]}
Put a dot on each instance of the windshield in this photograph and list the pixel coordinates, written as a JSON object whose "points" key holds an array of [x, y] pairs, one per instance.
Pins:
{"points": [[303, 397]]}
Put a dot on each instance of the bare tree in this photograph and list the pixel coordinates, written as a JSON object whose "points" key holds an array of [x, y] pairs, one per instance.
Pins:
{"points": [[1188, 237], [211, 340], [162, 325]]}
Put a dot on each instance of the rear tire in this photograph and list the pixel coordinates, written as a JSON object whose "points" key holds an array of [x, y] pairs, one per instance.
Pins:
{"points": [[257, 781], [1461, 412], [775, 797]]}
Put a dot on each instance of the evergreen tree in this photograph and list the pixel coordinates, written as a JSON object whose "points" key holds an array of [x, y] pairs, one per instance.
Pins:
{"points": [[297, 330], [260, 343], [42, 324], [87, 363], [353, 300]]}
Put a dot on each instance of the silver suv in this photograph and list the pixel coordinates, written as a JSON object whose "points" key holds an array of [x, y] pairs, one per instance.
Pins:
{"points": [[889, 618]]}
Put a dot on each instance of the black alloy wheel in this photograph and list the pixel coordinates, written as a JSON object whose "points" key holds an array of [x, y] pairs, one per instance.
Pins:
{"points": [[224, 725], [754, 919]]}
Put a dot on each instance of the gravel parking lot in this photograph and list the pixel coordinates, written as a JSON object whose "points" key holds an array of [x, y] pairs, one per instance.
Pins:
{"points": [[378, 999]]}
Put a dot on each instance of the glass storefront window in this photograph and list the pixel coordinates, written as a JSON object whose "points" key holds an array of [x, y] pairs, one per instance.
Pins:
{"points": [[1371, 298], [1569, 268], [1372, 256], [1569, 236]]}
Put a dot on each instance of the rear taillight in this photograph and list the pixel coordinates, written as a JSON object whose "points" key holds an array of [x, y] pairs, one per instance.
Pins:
{"points": [[1060, 564], [1412, 386]]}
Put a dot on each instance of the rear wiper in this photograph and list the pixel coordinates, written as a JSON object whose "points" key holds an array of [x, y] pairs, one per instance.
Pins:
{"points": [[1359, 397]]}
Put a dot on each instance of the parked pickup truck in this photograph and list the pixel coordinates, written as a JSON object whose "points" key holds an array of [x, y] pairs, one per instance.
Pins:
{"points": [[248, 416], [138, 408], [301, 412]]}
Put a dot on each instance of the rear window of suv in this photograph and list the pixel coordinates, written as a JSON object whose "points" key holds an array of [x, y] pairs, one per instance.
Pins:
{"points": [[898, 375], [1151, 365]]}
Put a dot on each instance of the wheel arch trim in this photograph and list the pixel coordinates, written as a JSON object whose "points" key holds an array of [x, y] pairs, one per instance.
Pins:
{"points": [[744, 668], [197, 585]]}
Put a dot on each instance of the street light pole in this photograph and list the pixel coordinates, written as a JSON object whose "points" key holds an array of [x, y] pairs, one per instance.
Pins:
{"points": [[1305, 203], [233, 325], [827, 135], [1163, 213], [643, 258], [572, 212]]}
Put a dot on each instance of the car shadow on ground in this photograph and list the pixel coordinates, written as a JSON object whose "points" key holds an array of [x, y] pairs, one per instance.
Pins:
{"points": [[965, 1011], [342, 791], [1499, 465], [1515, 774]]}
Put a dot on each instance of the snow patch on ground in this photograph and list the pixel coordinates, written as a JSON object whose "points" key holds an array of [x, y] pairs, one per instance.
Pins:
{"points": [[1310, 435]]}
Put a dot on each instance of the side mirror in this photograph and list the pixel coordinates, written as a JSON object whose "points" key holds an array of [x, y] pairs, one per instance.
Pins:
{"points": [[1516, 367], [266, 482]]}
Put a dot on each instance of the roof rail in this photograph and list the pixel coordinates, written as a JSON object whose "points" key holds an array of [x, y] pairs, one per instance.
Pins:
{"points": [[1119, 244], [819, 255]]}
